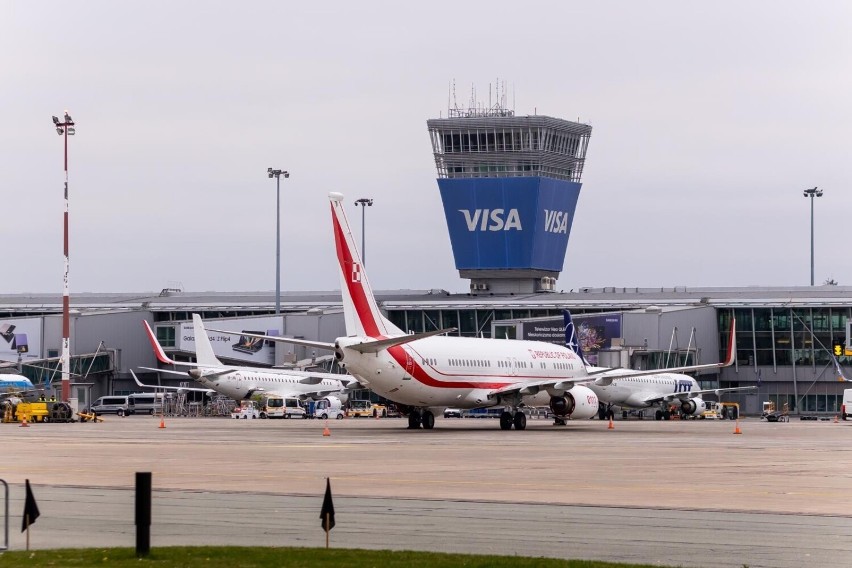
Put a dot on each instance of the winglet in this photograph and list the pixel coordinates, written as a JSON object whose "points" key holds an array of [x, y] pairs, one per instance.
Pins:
{"points": [[158, 350]]}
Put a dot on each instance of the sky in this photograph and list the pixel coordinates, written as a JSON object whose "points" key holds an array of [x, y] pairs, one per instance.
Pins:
{"points": [[709, 119]]}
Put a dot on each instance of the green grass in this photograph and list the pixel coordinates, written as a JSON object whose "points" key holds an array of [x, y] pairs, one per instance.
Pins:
{"points": [[250, 557]]}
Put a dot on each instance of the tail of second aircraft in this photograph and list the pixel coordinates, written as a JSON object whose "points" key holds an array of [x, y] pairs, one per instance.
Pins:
{"points": [[360, 309], [204, 354], [572, 337]]}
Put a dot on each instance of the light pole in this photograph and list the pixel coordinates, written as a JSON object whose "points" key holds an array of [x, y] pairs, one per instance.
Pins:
{"points": [[277, 175], [364, 203], [812, 192], [65, 129]]}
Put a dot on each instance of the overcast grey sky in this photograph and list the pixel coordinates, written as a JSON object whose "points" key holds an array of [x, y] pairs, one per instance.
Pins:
{"points": [[709, 118]]}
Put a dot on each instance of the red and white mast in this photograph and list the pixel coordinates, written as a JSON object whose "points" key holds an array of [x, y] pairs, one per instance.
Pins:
{"points": [[66, 129]]}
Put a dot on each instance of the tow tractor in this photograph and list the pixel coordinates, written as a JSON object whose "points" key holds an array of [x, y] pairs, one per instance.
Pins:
{"points": [[771, 414], [367, 408], [246, 409]]}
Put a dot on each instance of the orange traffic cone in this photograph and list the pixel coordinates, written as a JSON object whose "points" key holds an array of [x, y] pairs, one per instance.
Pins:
{"points": [[24, 422], [162, 421], [611, 425], [737, 429], [326, 431]]}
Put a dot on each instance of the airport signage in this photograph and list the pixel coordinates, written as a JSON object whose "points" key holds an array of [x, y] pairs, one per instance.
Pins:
{"points": [[21, 337], [596, 332], [509, 223], [239, 347]]}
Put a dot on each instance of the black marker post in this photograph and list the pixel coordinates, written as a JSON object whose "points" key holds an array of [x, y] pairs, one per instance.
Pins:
{"points": [[143, 513]]}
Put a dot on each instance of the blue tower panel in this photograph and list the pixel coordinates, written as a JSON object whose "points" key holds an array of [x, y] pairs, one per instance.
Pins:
{"points": [[509, 223]]}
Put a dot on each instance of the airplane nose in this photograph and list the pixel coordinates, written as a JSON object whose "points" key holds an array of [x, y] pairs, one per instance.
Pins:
{"points": [[194, 373]]}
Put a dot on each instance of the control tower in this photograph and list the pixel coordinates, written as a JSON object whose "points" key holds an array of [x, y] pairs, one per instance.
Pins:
{"points": [[509, 185]]}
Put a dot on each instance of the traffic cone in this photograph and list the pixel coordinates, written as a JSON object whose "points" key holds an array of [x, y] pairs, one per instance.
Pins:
{"points": [[737, 429], [162, 421], [326, 431], [24, 422], [611, 425], [835, 419]]}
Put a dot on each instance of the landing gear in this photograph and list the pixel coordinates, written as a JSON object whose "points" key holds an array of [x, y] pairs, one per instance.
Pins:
{"points": [[658, 415], [428, 420], [517, 419], [506, 420], [520, 420], [414, 419]]}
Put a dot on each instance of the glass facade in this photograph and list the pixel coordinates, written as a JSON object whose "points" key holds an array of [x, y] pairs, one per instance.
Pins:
{"points": [[779, 337]]}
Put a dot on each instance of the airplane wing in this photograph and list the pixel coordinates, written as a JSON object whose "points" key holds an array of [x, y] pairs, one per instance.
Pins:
{"points": [[533, 387], [608, 375], [182, 389], [693, 394], [291, 340]]}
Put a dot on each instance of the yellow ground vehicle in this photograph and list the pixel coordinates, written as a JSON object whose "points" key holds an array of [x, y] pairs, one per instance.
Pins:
{"points": [[14, 409], [367, 408]]}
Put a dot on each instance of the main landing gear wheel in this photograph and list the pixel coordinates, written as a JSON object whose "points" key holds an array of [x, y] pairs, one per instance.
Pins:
{"points": [[658, 415], [428, 420], [667, 415], [506, 420], [520, 421], [414, 420]]}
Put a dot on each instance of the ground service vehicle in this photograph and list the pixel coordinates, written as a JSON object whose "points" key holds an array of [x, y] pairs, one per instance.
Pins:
{"points": [[846, 407], [247, 409], [329, 407], [145, 403], [276, 406], [367, 408], [112, 405], [452, 413]]}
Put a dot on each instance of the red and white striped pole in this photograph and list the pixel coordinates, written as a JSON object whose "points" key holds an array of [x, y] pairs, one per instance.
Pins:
{"points": [[65, 129]]}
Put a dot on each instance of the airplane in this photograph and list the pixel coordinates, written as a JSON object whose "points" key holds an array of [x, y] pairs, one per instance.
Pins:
{"points": [[426, 371], [242, 382], [15, 386], [647, 389]]}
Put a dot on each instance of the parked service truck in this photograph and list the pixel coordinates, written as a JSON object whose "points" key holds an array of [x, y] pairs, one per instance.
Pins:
{"points": [[276, 406], [367, 408], [329, 407], [846, 407]]}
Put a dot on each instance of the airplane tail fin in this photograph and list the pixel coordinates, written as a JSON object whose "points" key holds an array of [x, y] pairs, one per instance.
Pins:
{"points": [[155, 345], [204, 354], [572, 337], [359, 306]]}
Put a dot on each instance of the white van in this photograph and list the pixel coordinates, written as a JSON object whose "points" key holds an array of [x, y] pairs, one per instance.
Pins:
{"points": [[145, 403], [330, 407], [846, 408], [112, 405]]}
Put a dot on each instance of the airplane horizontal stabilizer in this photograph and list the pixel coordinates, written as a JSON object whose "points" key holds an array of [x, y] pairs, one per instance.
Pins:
{"points": [[178, 389], [382, 344]]}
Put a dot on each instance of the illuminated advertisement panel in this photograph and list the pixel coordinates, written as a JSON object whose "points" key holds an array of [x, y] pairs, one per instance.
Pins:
{"points": [[20, 337], [240, 347], [509, 223]]}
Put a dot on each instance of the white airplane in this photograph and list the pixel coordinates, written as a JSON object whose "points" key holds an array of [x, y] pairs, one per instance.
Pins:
{"points": [[647, 389], [428, 371], [242, 382]]}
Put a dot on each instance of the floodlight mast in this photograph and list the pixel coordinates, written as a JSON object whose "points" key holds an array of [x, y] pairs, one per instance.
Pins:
{"points": [[812, 192], [65, 129], [277, 175], [364, 202]]}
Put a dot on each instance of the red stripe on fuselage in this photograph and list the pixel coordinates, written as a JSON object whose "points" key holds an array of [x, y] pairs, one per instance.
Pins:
{"points": [[356, 289], [422, 376]]}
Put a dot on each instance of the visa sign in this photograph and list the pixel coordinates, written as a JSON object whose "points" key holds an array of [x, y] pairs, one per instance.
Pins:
{"points": [[509, 223], [493, 220], [499, 220]]}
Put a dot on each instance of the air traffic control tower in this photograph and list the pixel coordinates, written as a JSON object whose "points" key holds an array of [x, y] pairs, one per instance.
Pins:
{"points": [[510, 186]]}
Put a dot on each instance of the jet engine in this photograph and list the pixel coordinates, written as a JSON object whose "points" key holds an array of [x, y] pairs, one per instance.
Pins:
{"points": [[579, 402], [692, 406]]}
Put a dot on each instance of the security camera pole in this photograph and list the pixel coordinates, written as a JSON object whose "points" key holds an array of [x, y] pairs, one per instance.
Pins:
{"points": [[66, 129], [277, 175]]}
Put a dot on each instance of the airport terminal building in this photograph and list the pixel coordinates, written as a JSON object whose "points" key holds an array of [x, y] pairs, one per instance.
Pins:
{"points": [[509, 187], [785, 337]]}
